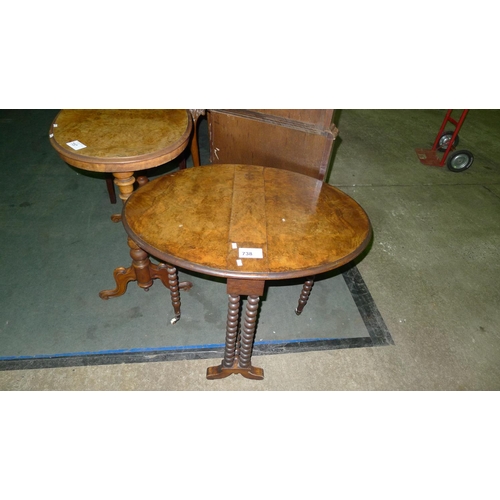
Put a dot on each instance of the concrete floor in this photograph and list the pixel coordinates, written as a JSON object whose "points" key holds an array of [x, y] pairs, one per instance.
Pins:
{"points": [[432, 270]]}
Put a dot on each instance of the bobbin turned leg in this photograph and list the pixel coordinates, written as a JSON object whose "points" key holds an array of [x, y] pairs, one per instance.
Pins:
{"points": [[304, 295], [238, 348], [232, 327], [173, 285]]}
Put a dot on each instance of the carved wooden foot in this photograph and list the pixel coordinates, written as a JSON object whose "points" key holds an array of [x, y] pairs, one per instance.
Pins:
{"points": [[304, 295], [122, 277], [253, 372], [144, 272], [139, 271], [238, 348]]}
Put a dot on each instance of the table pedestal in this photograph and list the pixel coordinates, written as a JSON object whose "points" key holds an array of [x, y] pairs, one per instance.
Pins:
{"points": [[144, 272], [142, 269], [239, 344], [125, 182]]}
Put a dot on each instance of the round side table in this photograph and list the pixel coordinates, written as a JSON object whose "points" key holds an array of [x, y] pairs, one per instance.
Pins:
{"points": [[123, 142], [120, 141]]}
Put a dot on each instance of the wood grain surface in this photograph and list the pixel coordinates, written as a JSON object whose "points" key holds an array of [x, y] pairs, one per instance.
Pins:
{"points": [[278, 140], [120, 140], [192, 218]]}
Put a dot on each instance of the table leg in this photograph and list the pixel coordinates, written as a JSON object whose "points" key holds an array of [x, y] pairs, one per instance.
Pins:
{"points": [[173, 285], [238, 349], [193, 146], [144, 272], [111, 188], [304, 295]]}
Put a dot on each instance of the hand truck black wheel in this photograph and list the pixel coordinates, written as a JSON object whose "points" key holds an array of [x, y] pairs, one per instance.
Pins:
{"points": [[445, 139], [458, 161]]}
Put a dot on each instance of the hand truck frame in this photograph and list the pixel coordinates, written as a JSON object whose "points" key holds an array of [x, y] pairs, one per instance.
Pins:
{"points": [[446, 142]]}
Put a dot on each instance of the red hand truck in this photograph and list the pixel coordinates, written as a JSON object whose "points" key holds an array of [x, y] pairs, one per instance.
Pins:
{"points": [[446, 142]]}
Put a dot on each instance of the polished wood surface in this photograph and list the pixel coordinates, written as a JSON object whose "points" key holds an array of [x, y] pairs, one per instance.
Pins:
{"points": [[300, 140], [200, 218], [123, 142], [143, 271], [120, 140], [302, 225]]}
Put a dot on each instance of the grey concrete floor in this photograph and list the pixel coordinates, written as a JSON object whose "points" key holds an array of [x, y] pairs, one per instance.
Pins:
{"points": [[433, 271]]}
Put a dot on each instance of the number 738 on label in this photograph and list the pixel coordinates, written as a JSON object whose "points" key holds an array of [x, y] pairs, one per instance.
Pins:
{"points": [[250, 253]]}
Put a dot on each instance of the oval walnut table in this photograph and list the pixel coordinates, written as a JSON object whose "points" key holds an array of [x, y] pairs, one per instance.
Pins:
{"points": [[122, 142], [248, 224]]}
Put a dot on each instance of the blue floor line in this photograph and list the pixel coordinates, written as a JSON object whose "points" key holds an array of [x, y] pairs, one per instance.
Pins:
{"points": [[150, 349]]}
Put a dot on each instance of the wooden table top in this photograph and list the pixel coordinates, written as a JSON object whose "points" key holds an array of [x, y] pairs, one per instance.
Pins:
{"points": [[118, 140], [194, 218]]}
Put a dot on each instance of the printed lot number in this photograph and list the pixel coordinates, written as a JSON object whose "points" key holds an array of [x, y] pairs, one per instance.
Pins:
{"points": [[250, 253]]}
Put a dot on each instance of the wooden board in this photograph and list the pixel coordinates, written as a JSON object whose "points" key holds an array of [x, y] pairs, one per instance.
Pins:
{"points": [[295, 140]]}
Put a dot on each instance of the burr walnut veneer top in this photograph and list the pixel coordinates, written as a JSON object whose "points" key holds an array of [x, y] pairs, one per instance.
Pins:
{"points": [[120, 140], [195, 218]]}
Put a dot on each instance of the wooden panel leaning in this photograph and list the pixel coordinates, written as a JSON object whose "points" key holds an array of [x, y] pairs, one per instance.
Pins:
{"points": [[292, 139]]}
